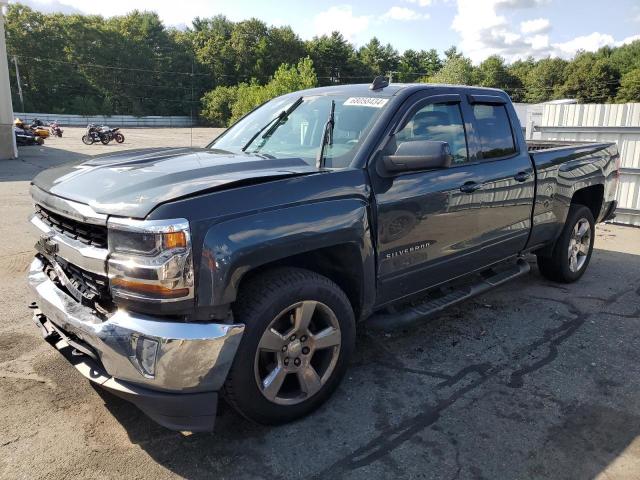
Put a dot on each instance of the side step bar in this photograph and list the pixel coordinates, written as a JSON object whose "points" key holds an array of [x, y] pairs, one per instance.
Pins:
{"points": [[409, 315]]}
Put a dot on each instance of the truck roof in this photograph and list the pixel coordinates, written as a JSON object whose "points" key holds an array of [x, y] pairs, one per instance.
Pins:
{"points": [[362, 89]]}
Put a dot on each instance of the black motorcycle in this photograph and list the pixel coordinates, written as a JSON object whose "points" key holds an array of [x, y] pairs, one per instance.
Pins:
{"points": [[96, 134], [114, 134], [102, 134]]}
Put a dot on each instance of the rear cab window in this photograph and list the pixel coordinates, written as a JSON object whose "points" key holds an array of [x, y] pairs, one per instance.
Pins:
{"points": [[493, 130]]}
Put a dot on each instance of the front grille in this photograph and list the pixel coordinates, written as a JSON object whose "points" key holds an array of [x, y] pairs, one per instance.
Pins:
{"points": [[94, 235], [93, 287]]}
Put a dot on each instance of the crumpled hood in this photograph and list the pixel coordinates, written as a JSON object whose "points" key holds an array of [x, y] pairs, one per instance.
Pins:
{"points": [[133, 183]]}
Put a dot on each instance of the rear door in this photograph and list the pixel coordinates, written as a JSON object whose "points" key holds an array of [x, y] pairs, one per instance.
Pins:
{"points": [[433, 226], [505, 198]]}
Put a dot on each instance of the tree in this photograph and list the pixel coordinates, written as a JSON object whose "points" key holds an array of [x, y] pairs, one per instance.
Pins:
{"points": [[217, 105], [379, 59], [544, 80], [414, 64], [629, 87], [452, 52], [456, 71], [493, 72], [590, 79], [520, 70], [224, 105], [335, 59]]}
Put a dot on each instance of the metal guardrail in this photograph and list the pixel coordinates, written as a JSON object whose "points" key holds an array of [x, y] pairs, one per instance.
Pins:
{"points": [[113, 120]]}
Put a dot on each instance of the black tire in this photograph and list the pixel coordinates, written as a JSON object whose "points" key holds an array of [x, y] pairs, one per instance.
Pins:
{"points": [[87, 140], [557, 266], [118, 137], [261, 301], [104, 139]]}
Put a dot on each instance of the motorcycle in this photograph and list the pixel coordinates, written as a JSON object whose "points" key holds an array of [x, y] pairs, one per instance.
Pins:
{"points": [[113, 133], [117, 135], [39, 129], [25, 137], [102, 134], [55, 129], [36, 128], [96, 134]]}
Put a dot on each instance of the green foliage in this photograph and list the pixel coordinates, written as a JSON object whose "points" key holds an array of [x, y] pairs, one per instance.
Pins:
{"points": [[414, 64], [456, 70], [134, 64], [629, 87], [590, 78], [380, 59], [224, 105], [335, 60], [217, 105], [544, 80], [493, 72]]}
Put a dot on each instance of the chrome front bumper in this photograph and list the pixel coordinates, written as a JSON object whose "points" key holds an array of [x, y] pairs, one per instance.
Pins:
{"points": [[190, 358]]}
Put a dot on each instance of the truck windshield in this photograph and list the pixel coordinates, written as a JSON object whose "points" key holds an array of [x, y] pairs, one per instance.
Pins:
{"points": [[293, 127]]}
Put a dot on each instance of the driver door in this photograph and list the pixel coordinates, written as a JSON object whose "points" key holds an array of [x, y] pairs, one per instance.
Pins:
{"points": [[427, 221]]}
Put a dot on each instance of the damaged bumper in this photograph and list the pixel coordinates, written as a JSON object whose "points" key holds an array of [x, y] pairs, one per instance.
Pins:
{"points": [[171, 370]]}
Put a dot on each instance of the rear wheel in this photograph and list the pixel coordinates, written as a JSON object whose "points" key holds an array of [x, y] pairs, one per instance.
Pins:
{"points": [[87, 140], [118, 137], [104, 139], [299, 335], [572, 251]]}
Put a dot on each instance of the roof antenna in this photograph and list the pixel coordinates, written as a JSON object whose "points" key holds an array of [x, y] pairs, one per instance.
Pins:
{"points": [[379, 83]]}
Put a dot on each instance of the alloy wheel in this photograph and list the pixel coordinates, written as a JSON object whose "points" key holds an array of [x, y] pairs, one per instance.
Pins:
{"points": [[579, 245], [297, 353]]}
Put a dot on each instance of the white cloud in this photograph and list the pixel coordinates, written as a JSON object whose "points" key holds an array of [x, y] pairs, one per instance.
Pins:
{"points": [[590, 43], [537, 25], [520, 3], [485, 30], [630, 39], [404, 14], [342, 19], [422, 3]]}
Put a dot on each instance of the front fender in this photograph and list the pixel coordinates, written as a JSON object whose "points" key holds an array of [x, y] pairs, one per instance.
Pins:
{"points": [[233, 247]]}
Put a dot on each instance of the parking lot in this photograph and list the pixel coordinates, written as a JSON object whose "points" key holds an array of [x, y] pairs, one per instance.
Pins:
{"points": [[532, 380]]}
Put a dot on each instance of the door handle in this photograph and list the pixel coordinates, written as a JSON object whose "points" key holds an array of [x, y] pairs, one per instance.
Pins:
{"points": [[522, 176], [470, 187]]}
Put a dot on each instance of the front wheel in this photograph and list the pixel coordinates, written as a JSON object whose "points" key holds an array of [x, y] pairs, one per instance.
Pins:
{"points": [[87, 139], [299, 335], [105, 139], [573, 248]]}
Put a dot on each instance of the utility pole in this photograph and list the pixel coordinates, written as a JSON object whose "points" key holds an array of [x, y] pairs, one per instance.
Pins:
{"points": [[7, 137], [15, 62], [191, 107]]}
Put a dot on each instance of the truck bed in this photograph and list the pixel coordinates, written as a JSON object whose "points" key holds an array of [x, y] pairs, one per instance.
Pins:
{"points": [[536, 145]]}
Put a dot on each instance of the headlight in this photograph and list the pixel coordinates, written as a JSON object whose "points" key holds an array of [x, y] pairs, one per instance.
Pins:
{"points": [[150, 260]]}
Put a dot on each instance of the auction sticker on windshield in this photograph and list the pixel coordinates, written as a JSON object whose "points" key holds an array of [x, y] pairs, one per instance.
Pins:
{"points": [[366, 102]]}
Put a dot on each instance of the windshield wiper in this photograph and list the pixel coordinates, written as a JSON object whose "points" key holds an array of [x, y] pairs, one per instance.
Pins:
{"points": [[327, 136], [273, 123]]}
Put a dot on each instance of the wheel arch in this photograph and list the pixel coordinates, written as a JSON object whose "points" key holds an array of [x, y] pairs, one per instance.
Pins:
{"points": [[591, 197], [331, 238]]}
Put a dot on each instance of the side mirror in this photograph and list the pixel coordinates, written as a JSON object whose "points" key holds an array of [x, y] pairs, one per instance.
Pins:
{"points": [[418, 155]]}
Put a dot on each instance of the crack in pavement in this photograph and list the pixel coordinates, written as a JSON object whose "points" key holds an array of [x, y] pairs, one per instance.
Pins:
{"points": [[390, 439]]}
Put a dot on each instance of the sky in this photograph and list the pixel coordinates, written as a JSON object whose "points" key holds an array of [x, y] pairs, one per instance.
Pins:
{"points": [[511, 28]]}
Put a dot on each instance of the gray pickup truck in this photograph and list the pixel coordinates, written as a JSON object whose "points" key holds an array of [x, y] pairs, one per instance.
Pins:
{"points": [[172, 276]]}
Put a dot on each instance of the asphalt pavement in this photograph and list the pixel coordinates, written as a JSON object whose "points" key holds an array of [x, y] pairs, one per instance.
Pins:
{"points": [[532, 380]]}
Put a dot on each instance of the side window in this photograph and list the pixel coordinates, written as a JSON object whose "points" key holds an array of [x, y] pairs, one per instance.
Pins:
{"points": [[494, 130], [439, 122]]}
